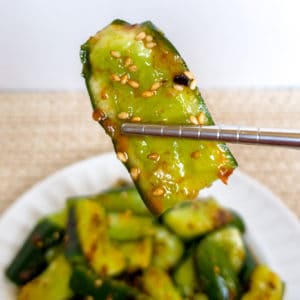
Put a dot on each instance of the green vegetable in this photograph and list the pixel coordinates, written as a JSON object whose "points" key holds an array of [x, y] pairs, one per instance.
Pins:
{"points": [[132, 79], [250, 264], [31, 259], [127, 227], [52, 284], [265, 285], [158, 285], [168, 249], [192, 219], [216, 264]]}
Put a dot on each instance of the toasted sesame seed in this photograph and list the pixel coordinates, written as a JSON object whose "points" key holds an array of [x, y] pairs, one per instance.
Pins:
{"points": [[155, 86], [153, 156], [148, 94], [104, 95], [178, 87], [158, 191], [98, 282], [89, 297], [196, 154], [132, 68], [115, 77], [56, 235], [128, 62], [150, 45], [201, 118], [149, 38], [135, 172], [98, 115], [140, 36], [133, 84], [136, 119], [123, 115], [189, 74], [194, 120], [124, 79], [193, 84], [115, 54], [122, 156]]}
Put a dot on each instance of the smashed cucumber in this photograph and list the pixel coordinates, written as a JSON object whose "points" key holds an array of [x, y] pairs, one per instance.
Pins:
{"points": [[134, 74]]}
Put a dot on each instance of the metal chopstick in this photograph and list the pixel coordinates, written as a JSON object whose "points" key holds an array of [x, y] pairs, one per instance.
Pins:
{"points": [[224, 133]]}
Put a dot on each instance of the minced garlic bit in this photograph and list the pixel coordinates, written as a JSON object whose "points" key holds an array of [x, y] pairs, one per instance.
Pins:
{"points": [[123, 115], [135, 172], [122, 156], [148, 94], [155, 86], [132, 68], [201, 118], [178, 87], [193, 84], [133, 84], [115, 54], [140, 36], [189, 74], [149, 38], [158, 191], [150, 45], [115, 77]]}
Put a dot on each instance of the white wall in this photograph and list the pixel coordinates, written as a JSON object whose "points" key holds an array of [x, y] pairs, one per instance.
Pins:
{"points": [[232, 43]]}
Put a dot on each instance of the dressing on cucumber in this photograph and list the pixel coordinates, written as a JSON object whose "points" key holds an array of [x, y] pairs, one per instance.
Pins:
{"points": [[134, 74]]}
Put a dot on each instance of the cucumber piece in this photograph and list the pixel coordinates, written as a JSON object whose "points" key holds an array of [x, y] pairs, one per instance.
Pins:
{"points": [[168, 249], [185, 276], [52, 284], [137, 254], [215, 268], [31, 259], [92, 230], [193, 219], [127, 227], [250, 264], [158, 284], [265, 284], [237, 221], [130, 79]]}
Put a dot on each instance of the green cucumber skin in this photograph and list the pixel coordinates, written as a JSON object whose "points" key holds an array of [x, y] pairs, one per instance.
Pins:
{"points": [[31, 259], [179, 187]]}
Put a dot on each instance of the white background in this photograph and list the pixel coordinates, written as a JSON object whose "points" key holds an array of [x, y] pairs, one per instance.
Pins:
{"points": [[232, 43]]}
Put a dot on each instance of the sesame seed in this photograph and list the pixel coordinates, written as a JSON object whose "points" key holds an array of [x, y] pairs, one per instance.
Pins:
{"points": [[194, 120], [104, 94], [193, 84], [201, 118], [98, 115], [124, 79], [178, 87], [128, 62], [135, 172], [149, 38], [189, 74], [56, 235], [122, 156], [133, 84], [158, 191], [115, 77], [147, 94], [136, 119], [196, 154], [132, 68], [150, 45], [115, 54], [140, 36], [89, 297], [123, 115], [155, 86], [153, 156], [98, 282]]}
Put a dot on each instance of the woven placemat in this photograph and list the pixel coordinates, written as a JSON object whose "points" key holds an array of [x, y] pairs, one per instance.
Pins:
{"points": [[43, 132]]}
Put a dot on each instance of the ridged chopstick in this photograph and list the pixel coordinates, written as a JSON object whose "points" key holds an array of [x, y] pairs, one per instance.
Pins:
{"points": [[224, 133]]}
